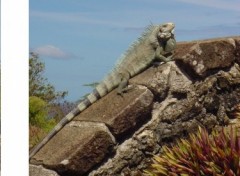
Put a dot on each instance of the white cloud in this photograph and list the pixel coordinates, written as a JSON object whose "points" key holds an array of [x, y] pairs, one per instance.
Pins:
{"points": [[52, 52], [221, 4]]}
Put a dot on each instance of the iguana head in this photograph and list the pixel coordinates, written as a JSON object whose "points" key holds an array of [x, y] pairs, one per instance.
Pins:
{"points": [[166, 30], [167, 27]]}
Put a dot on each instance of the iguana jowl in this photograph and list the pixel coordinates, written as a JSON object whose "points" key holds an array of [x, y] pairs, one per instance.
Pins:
{"points": [[156, 43]]}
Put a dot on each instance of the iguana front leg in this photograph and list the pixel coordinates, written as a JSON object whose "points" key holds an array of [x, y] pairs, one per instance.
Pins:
{"points": [[160, 57]]}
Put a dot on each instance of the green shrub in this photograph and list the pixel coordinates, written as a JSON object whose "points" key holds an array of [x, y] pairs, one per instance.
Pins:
{"points": [[38, 112], [201, 155], [39, 125]]}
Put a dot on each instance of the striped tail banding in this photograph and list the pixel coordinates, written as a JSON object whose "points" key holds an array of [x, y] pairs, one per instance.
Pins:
{"points": [[97, 93]]}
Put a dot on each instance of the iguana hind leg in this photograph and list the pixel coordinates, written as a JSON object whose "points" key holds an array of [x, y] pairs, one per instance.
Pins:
{"points": [[123, 85]]}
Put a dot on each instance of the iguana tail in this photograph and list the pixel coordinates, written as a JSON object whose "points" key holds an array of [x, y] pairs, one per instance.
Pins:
{"points": [[107, 85]]}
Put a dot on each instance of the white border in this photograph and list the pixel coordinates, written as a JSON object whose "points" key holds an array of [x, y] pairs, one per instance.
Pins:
{"points": [[14, 87]]}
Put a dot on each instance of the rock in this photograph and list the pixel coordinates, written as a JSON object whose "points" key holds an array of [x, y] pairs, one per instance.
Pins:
{"points": [[40, 171], [119, 135], [184, 105], [162, 79], [127, 155], [237, 50], [120, 114], [207, 55], [155, 79], [76, 148]]}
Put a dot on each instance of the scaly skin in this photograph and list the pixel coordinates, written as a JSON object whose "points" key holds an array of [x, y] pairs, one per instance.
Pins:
{"points": [[156, 43], [162, 42]]}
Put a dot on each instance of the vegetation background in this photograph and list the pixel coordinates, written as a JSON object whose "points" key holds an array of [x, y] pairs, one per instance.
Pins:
{"points": [[46, 105]]}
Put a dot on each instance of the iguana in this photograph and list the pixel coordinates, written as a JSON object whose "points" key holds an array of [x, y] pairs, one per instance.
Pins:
{"points": [[156, 43]]}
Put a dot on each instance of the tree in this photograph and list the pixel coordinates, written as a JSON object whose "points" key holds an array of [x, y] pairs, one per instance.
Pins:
{"points": [[61, 109], [38, 85]]}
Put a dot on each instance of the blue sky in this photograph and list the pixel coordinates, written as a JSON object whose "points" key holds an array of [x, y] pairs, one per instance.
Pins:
{"points": [[80, 41]]}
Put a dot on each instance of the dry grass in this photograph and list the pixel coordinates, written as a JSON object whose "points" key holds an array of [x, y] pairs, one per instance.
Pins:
{"points": [[36, 134]]}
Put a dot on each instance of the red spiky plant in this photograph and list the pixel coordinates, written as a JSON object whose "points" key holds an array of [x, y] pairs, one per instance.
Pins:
{"points": [[200, 155]]}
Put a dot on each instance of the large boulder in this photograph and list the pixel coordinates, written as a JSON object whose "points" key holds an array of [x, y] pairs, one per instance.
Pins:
{"points": [[76, 148]]}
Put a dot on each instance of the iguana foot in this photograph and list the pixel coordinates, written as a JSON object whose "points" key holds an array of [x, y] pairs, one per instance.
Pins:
{"points": [[165, 59], [122, 86], [169, 58], [124, 90]]}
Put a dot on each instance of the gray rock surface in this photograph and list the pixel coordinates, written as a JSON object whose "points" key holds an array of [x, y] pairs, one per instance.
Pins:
{"points": [[120, 114], [40, 171]]}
